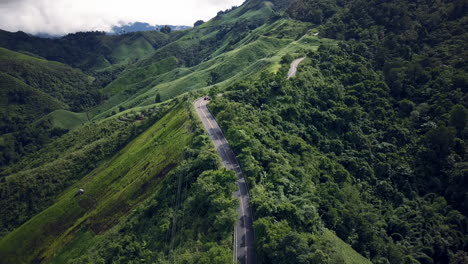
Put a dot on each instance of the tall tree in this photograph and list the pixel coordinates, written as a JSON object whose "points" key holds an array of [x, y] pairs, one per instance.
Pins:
{"points": [[157, 99], [458, 117], [198, 23], [166, 29]]}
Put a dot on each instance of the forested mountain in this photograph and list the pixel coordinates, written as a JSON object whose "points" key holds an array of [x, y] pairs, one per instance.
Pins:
{"points": [[361, 157], [32, 88]]}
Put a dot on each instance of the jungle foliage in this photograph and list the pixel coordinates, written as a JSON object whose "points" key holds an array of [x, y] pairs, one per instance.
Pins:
{"points": [[368, 140], [334, 147]]}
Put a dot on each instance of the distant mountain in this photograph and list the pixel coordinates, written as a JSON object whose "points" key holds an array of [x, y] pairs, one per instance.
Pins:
{"points": [[121, 29], [140, 26]]}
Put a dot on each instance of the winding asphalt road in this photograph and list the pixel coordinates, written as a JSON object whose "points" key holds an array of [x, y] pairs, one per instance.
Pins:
{"points": [[244, 233], [293, 70]]}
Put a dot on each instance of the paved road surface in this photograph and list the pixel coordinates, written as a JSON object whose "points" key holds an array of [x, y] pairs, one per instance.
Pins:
{"points": [[244, 233], [293, 70]]}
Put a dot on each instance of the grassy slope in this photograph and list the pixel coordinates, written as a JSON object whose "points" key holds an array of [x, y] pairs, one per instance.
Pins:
{"points": [[129, 48], [188, 49], [66, 119], [130, 81], [40, 176], [128, 52], [112, 190], [260, 49], [341, 252], [138, 75], [226, 66]]}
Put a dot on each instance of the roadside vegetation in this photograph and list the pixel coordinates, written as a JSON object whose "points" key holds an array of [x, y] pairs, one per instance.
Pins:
{"points": [[374, 152]]}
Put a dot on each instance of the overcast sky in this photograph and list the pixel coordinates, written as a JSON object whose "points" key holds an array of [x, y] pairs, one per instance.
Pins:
{"points": [[65, 16]]}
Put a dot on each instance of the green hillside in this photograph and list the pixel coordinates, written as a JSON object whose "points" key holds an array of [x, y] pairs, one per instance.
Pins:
{"points": [[124, 175], [341, 252], [22, 104], [45, 173], [144, 168], [60, 81], [248, 55], [88, 51], [362, 139], [359, 158], [32, 88], [174, 62], [65, 119]]}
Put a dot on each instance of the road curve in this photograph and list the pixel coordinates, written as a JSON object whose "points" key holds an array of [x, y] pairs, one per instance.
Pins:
{"points": [[244, 233], [293, 70]]}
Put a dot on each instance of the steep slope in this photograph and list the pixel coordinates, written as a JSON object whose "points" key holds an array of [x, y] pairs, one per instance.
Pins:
{"points": [[63, 119], [159, 164], [177, 58], [42, 175], [140, 166], [359, 157], [64, 83], [21, 104], [32, 88], [237, 54]]}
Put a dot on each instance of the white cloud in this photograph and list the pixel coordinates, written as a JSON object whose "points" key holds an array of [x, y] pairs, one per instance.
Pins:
{"points": [[64, 16]]}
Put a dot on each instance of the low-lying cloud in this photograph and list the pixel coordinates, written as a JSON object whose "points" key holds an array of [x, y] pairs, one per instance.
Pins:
{"points": [[65, 16]]}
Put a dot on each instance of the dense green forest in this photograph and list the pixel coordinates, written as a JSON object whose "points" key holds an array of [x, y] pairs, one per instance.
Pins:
{"points": [[376, 127], [359, 158]]}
